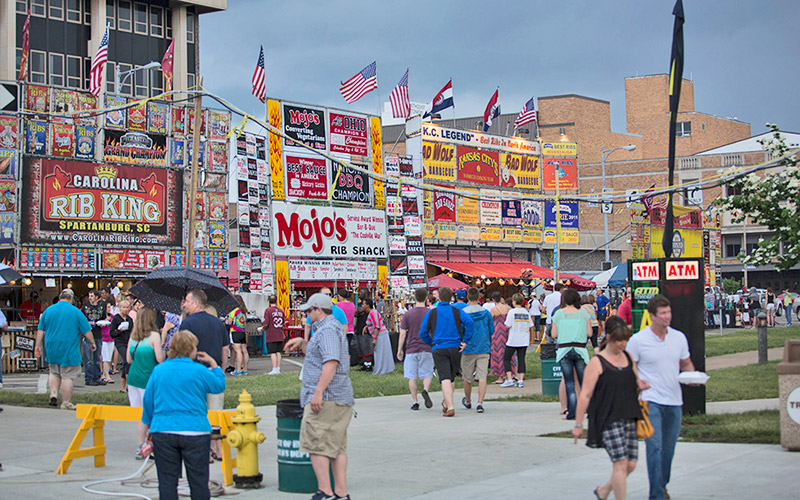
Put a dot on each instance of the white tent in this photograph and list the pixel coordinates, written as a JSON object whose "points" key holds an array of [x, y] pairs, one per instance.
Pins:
{"points": [[602, 279]]}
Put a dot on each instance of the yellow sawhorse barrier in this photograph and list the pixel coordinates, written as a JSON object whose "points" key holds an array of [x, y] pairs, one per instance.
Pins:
{"points": [[94, 419]]}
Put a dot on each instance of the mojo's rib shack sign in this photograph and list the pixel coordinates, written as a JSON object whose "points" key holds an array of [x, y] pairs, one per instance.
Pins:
{"points": [[83, 202], [312, 231]]}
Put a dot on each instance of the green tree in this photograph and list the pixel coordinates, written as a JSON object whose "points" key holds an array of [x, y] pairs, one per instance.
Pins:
{"points": [[731, 285], [770, 200]]}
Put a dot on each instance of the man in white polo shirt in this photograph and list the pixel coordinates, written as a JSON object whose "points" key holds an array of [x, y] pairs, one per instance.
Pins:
{"points": [[661, 353], [551, 303]]}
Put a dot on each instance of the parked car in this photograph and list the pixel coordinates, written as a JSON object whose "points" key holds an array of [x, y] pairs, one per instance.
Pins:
{"points": [[795, 306]]}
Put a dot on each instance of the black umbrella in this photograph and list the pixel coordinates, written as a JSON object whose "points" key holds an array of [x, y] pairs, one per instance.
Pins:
{"points": [[164, 288], [8, 274]]}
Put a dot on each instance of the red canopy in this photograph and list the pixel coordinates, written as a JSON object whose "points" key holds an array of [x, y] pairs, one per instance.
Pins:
{"points": [[448, 281]]}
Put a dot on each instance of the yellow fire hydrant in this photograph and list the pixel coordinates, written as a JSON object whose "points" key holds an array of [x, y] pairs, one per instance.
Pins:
{"points": [[246, 438]]}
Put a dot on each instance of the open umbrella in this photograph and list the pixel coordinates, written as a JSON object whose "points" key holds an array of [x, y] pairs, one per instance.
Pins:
{"points": [[164, 288], [448, 281], [8, 274]]}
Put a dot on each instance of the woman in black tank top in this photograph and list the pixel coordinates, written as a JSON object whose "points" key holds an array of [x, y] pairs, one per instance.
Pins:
{"points": [[610, 392]]}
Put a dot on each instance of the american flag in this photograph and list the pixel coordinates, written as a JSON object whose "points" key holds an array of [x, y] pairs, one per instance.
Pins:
{"points": [[259, 85], [401, 104], [97, 75], [527, 115], [362, 82]]}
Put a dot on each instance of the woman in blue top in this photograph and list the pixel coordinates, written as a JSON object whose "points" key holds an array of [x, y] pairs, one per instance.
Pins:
{"points": [[176, 414], [572, 327]]}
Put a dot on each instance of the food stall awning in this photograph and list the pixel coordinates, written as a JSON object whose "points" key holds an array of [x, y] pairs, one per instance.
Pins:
{"points": [[496, 269]]}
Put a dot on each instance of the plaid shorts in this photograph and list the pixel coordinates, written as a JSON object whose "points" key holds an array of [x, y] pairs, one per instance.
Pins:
{"points": [[620, 440]]}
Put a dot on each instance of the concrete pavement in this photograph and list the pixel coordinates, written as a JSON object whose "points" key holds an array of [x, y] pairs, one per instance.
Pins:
{"points": [[399, 454]]}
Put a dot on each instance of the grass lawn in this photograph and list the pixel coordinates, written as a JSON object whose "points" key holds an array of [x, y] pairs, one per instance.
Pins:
{"points": [[747, 340], [743, 382], [754, 427]]}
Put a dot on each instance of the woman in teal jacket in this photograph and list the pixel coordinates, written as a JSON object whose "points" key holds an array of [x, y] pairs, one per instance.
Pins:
{"points": [[175, 411]]}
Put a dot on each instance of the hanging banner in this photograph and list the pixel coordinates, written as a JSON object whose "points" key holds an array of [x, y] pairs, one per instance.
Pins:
{"points": [[275, 152], [84, 142], [445, 231], [8, 162], [116, 258], [304, 124], [414, 245], [478, 166], [219, 123], [471, 233], [512, 234], [87, 102], [348, 134], [685, 242], [82, 202], [435, 133], [36, 97], [308, 231], [8, 194], [444, 206], [491, 207], [567, 171], [8, 132], [569, 213], [137, 117], [36, 137], [531, 213], [306, 177], [64, 101], [331, 270], [469, 207], [520, 171], [567, 236], [512, 213], [352, 185], [398, 264], [282, 289], [491, 233], [157, 117], [39, 257], [136, 148], [559, 149], [63, 137], [377, 160], [397, 244], [531, 235], [190, 121], [179, 120], [439, 161], [416, 264], [115, 118], [413, 225], [7, 220]]}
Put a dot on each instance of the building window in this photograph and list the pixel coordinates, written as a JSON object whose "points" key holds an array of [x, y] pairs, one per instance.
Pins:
{"points": [[732, 250], [141, 78], [140, 18], [125, 87], [168, 23], [124, 16], [111, 15], [157, 83], [57, 10], [189, 80], [74, 11], [110, 74], [22, 6], [190, 27], [87, 13], [156, 21], [57, 70], [87, 68], [74, 79], [731, 191], [19, 61], [37, 72], [37, 8], [683, 129]]}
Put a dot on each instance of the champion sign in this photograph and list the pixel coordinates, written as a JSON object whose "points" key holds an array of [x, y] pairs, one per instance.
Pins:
{"points": [[308, 231]]}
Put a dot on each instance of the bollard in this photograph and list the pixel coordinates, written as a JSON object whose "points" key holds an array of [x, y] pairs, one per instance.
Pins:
{"points": [[762, 338]]}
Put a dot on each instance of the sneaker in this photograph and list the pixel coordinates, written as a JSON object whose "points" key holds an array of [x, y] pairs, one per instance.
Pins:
{"points": [[236, 374], [229, 369], [53, 401], [427, 398], [466, 403], [343, 498], [320, 495], [479, 408], [415, 406], [243, 372], [67, 405], [508, 383], [520, 384]]}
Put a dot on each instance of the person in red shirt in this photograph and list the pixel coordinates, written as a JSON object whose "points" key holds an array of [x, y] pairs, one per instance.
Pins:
{"points": [[31, 309], [274, 321], [625, 310]]}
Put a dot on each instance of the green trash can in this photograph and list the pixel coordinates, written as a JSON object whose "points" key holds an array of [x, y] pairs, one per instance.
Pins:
{"points": [[295, 473], [551, 371]]}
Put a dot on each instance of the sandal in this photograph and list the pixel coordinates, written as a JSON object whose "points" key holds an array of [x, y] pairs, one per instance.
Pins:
{"points": [[598, 494]]}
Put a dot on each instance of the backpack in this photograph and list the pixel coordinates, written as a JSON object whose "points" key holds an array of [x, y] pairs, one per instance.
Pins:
{"points": [[456, 316]]}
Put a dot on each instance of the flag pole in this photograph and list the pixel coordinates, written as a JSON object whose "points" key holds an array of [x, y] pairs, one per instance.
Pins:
{"points": [[378, 89], [675, 77], [454, 103], [198, 103]]}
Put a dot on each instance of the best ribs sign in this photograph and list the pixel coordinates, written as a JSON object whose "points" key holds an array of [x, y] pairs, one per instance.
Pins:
{"points": [[312, 231], [83, 202]]}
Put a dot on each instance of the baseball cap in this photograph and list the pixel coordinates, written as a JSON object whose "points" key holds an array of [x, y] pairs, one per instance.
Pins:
{"points": [[318, 300], [461, 294]]}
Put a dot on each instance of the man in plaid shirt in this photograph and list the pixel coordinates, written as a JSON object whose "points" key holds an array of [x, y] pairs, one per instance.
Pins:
{"points": [[326, 397]]}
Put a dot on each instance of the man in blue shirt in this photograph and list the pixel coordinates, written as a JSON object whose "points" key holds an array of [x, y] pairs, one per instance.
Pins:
{"points": [[446, 334], [60, 328], [461, 299], [340, 316], [602, 311], [475, 353]]}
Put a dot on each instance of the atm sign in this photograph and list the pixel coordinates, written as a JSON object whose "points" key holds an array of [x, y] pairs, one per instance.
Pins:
{"points": [[645, 271], [685, 270]]}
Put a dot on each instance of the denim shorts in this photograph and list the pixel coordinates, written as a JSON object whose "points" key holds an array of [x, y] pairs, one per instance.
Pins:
{"points": [[418, 365]]}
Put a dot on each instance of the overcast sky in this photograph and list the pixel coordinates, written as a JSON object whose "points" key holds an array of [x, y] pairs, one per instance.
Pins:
{"points": [[739, 53]]}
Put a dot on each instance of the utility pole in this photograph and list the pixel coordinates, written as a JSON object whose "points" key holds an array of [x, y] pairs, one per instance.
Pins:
{"points": [[198, 106]]}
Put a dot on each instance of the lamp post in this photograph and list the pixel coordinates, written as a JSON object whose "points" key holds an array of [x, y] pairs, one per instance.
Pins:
{"points": [[603, 155], [119, 78], [557, 253]]}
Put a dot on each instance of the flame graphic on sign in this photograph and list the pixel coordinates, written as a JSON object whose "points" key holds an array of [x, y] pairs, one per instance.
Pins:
{"points": [[61, 178]]}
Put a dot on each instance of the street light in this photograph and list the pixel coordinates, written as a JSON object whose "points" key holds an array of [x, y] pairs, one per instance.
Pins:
{"points": [[603, 155], [119, 78]]}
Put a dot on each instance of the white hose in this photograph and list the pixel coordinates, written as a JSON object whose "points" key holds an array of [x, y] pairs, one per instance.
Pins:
{"points": [[87, 487]]}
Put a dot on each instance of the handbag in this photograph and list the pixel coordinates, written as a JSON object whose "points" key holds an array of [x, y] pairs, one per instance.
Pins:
{"points": [[644, 429]]}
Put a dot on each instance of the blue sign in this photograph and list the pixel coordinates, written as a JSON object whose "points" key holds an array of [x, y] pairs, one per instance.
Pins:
{"points": [[570, 214]]}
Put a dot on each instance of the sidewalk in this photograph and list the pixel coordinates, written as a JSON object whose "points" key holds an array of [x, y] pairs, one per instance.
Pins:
{"points": [[395, 453]]}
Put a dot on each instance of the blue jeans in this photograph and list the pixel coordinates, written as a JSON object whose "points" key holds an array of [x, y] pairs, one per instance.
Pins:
{"points": [[666, 421], [572, 363], [173, 450], [788, 311], [91, 360]]}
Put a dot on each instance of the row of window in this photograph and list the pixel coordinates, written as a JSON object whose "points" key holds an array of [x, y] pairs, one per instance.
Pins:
{"points": [[122, 15], [73, 72]]}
